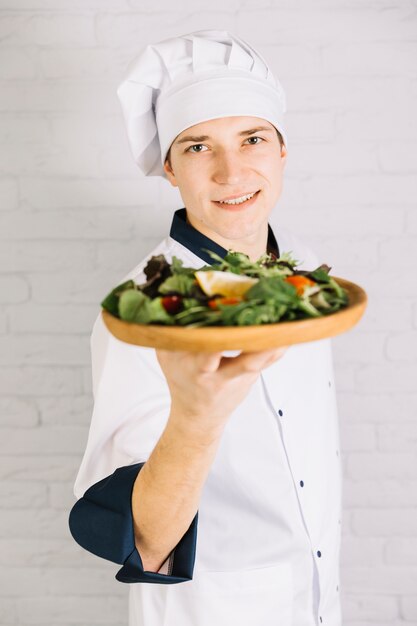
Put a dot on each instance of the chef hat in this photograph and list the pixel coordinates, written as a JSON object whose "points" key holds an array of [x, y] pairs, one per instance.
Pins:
{"points": [[196, 77]]}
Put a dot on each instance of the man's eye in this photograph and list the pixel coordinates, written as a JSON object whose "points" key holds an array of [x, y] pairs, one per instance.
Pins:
{"points": [[255, 137], [199, 145], [196, 145]]}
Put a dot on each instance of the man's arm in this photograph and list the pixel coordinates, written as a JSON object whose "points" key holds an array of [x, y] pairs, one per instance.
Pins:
{"points": [[205, 389], [167, 491], [138, 522]]}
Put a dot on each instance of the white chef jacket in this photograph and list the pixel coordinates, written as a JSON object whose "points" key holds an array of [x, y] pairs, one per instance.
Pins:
{"points": [[264, 546]]}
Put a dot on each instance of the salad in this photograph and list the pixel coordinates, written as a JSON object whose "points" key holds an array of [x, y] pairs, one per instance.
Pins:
{"points": [[234, 291]]}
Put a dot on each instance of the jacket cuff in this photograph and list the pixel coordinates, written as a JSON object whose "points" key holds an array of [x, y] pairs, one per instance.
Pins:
{"points": [[182, 567], [102, 523]]}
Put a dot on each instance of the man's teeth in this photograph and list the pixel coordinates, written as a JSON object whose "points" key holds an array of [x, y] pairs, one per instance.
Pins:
{"points": [[238, 200]]}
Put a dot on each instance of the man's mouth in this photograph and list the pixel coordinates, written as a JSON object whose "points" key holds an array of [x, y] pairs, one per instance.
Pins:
{"points": [[243, 199]]}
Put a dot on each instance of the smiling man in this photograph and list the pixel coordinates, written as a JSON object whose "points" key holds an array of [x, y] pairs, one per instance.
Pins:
{"points": [[215, 481], [229, 171]]}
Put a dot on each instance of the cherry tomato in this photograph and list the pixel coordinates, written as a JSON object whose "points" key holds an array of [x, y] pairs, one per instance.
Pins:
{"points": [[172, 304]]}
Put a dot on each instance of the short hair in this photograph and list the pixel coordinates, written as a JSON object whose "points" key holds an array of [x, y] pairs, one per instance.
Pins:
{"points": [[168, 156]]}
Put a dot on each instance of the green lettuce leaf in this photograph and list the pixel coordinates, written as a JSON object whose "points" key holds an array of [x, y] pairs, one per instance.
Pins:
{"points": [[179, 283], [111, 301], [134, 306], [273, 288]]}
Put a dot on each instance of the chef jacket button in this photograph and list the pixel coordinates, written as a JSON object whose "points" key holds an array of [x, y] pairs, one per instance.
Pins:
{"points": [[280, 412], [318, 553], [340, 521], [302, 483], [337, 588], [320, 619], [337, 452], [330, 384]]}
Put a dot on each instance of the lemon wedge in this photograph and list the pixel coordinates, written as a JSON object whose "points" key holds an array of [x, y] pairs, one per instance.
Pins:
{"points": [[224, 283]]}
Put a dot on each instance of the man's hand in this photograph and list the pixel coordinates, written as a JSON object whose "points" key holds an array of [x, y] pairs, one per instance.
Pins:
{"points": [[206, 387]]}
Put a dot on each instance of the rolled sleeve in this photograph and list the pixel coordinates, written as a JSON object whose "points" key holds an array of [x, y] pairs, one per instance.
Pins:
{"points": [[102, 523]]}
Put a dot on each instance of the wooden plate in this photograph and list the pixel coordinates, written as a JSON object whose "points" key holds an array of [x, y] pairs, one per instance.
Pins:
{"points": [[247, 338]]}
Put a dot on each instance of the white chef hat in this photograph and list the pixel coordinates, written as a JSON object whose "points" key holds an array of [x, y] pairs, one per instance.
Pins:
{"points": [[195, 77]]}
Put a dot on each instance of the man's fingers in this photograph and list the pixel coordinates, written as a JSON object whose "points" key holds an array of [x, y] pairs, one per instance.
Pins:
{"points": [[210, 362], [250, 361], [277, 353], [199, 361], [244, 362]]}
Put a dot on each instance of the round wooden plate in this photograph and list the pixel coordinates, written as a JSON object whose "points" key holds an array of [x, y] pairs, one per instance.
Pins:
{"points": [[247, 338]]}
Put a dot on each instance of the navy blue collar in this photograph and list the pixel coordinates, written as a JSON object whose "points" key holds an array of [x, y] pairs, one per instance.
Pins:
{"points": [[195, 241]]}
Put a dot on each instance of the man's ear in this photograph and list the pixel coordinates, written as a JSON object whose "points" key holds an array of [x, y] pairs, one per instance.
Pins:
{"points": [[284, 154], [170, 174]]}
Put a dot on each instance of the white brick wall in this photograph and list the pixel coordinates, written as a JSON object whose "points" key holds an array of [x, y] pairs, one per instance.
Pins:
{"points": [[75, 216]]}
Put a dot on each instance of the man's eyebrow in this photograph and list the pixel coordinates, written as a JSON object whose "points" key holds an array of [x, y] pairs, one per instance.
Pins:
{"points": [[241, 134]]}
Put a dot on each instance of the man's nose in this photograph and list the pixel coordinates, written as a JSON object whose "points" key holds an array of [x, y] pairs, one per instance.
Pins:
{"points": [[230, 168]]}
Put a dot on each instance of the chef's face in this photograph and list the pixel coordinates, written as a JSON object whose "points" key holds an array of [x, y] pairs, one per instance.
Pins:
{"points": [[224, 158]]}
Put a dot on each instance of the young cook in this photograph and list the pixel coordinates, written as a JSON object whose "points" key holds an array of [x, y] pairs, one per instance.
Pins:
{"points": [[215, 481]]}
